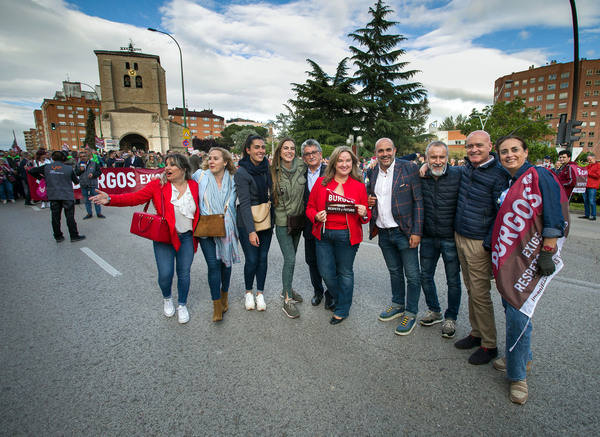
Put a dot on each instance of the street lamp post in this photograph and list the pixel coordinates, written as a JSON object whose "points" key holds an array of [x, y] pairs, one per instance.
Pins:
{"points": [[181, 63], [99, 107]]}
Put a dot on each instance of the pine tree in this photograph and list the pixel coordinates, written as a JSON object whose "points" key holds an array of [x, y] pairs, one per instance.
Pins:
{"points": [[90, 130], [324, 107], [387, 95]]}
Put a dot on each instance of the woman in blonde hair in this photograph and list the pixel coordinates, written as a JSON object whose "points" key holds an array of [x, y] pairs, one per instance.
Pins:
{"points": [[339, 233], [216, 191], [287, 173]]}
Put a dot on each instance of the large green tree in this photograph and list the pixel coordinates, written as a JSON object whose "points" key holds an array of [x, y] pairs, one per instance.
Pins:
{"points": [[324, 107], [504, 118], [387, 94]]}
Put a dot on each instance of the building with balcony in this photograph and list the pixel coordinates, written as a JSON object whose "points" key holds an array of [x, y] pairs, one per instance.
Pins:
{"points": [[61, 120], [549, 89], [202, 124]]}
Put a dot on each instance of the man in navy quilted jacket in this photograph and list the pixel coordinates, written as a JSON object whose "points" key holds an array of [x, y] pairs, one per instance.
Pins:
{"points": [[482, 181]]}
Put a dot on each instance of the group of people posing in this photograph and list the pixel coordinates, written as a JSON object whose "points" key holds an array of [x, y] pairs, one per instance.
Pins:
{"points": [[447, 211]]}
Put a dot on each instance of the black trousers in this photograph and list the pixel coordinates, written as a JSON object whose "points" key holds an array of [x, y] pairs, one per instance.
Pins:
{"points": [[56, 206], [310, 256]]}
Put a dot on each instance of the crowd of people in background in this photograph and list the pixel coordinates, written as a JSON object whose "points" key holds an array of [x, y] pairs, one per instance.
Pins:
{"points": [[421, 207]]}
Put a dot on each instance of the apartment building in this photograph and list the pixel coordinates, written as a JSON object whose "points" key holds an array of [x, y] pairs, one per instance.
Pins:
{"points": [[549, 89], [202, 124]]}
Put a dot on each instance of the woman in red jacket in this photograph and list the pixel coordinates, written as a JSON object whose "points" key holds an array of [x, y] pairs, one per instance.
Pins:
{"points": [[338, 234], [180, 194]]}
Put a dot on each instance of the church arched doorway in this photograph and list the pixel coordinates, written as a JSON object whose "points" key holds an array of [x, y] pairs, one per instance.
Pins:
{"points": [[133, 141]]}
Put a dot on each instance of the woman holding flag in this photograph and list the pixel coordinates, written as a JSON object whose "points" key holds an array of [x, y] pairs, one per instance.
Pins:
{"points": [[526, 240], [337, 206]]}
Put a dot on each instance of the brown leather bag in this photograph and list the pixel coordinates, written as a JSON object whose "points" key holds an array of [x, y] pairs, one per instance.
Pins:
{"points": [[211, 225]]}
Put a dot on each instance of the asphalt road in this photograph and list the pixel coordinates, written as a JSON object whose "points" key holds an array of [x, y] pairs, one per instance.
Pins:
{"points": [[87, 353]]}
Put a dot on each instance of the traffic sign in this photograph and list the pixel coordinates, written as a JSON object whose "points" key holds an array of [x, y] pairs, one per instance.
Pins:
{"points": [[186, 134], [186, 143]]}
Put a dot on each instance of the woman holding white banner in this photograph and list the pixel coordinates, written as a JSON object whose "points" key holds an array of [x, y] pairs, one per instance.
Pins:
{"points": [[526, 242], [216, 190], [337, 206], [177, 194]]}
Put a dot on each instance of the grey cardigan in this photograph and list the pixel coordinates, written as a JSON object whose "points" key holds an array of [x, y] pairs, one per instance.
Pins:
{"points": [[248, 195]]}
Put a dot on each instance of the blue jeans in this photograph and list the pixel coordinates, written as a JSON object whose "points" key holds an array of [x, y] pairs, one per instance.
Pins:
{"points": [[431, 249], [336, 256], [256, 258], [589, 202], [401, 261], [165, 255], [516, 361], [6, 190], [218, 273], [87, 192]]}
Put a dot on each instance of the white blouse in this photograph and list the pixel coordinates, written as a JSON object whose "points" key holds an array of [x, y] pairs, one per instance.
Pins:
{"points": [[185, 208]]}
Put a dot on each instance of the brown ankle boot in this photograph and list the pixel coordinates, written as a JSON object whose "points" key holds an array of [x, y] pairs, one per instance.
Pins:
{"points": [[217, 311], [224, 302]]}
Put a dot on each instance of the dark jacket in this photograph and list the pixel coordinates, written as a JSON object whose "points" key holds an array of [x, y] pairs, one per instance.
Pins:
{"points": [[59, 177], [407, 200], [440, 197], [480, 188], [91, 168], [308, 225], [137, 162], [248, 195]]}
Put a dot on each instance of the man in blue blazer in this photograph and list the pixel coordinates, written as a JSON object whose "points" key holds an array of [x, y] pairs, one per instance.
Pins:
{"points": [[394, 190]]}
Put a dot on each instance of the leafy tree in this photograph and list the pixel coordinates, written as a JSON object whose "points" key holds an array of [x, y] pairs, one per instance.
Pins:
{"points": [[324, 107], [283, 123], [450, 123], [387, 95], [537, 150], [90, 130], [240, 136], [504, 118], [232, 129]]}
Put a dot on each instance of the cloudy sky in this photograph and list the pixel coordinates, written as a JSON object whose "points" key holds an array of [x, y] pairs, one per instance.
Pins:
{"points": [[240, 56]]}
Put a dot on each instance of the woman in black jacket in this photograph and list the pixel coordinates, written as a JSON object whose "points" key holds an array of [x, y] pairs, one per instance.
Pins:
{"points": [[252, 181]]}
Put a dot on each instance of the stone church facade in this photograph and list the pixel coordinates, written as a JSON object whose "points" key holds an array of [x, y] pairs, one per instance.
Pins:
{"points": [[134, 102]]}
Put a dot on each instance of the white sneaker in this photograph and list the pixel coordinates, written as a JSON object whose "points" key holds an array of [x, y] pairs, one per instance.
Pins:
{"points": [[182, 314], [4, 202], [168, 307], [249, 301], [260, 302], [12, 200]]}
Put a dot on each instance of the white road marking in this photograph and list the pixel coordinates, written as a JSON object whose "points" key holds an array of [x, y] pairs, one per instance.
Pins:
{"points": [[106, 266]]}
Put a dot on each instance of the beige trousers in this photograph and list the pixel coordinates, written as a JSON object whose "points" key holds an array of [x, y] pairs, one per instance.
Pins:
{"points": [[476, 266]]}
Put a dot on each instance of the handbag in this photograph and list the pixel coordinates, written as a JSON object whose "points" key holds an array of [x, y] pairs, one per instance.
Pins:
{"points": [[295, 223], [211, 225], [151, 226], [262, 216], [41, 190]]}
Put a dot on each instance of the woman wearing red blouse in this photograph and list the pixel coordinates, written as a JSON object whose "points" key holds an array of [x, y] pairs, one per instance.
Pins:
{"points": [[180, 195], [339, 234]]}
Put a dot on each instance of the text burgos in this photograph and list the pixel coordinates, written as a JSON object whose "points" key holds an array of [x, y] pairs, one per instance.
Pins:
{"points": [[112, 180], [514, 221]]}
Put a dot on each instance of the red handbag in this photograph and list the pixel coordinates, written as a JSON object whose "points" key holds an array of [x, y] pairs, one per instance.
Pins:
{"points": [[151, 226]]}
